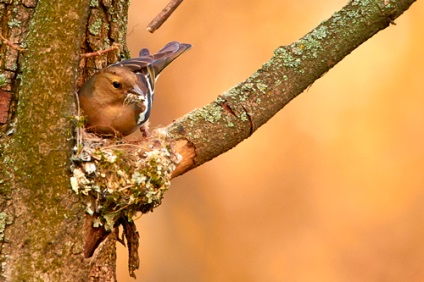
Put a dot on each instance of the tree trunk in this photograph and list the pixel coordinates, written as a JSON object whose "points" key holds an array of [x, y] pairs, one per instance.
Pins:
{"points": [[41, 218]]}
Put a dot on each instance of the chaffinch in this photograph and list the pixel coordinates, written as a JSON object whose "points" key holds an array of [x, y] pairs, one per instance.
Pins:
{"points": [[117, 100]]}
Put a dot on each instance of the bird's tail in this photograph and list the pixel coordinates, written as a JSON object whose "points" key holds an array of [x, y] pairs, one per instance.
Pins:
{"points": [[166, 55]]}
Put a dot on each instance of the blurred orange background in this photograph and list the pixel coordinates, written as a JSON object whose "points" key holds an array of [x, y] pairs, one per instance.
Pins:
{"points": [[330, 189]]}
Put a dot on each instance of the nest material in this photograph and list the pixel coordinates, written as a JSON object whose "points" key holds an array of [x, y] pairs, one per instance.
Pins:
{"points": [[120, 179]]}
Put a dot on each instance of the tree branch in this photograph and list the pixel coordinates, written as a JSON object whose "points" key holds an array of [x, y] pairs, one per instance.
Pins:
{"points": [[216, 128], [163, 15], [11, 45]]}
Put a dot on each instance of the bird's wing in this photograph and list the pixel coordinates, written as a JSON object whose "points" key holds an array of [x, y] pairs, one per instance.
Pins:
{"points": [[148, 67], [156, 62]]}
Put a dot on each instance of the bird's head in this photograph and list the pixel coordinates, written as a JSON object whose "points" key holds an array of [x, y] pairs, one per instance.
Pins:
{"points": [[118, 85]]}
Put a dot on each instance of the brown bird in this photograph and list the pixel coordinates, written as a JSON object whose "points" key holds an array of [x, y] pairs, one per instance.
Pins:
{"points": [[117, 100]]}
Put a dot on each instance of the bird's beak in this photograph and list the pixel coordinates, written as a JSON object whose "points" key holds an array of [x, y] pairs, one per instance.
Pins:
{"points": [[136, 90]]}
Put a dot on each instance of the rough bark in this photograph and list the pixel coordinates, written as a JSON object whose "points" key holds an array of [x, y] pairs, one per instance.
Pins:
{"points": [[43, 240], [41, 218]]}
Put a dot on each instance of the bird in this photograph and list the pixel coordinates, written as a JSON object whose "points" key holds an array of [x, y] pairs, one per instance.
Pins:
{"points": [[117, 100]]}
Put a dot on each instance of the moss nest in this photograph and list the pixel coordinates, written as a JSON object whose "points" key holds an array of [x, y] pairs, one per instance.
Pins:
{"points": [[120, 179]]}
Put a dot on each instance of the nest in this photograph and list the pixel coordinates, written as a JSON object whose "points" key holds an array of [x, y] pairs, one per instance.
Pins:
{"points": [[119, 178]]}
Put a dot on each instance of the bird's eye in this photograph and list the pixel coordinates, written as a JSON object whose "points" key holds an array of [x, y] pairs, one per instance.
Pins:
{"points": [[116, 84]]}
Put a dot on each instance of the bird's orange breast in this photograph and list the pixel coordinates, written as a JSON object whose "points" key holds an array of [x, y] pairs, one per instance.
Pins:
{"points": [[117, 119]]}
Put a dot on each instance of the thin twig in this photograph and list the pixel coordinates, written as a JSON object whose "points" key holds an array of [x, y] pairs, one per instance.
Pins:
{"points": [[79, 133], [100, 52], [163, 15], [11, 45]]}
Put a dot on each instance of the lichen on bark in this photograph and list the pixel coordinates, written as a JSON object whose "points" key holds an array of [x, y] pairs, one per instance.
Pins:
{"points": [[44, 214]]}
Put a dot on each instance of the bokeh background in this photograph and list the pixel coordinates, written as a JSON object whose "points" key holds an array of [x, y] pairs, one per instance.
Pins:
{"points": [[330, 189]]}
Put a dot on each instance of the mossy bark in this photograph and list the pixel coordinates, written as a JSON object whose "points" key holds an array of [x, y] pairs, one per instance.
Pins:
{"points": [[41, 218]]}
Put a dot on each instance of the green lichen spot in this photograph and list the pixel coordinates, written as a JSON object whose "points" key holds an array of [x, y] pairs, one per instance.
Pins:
{"points": [[95, 27], [298, 48], [320, 32], [106, 43], [244, 117], [3, 223], [94, 3], [290, 60], [14, 23], [262, 87], [3, 80], [211, 113]]}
